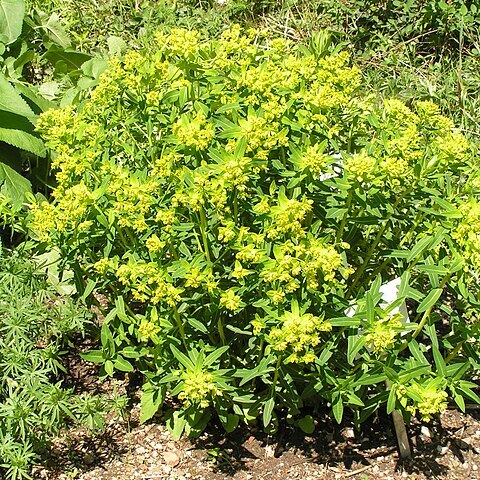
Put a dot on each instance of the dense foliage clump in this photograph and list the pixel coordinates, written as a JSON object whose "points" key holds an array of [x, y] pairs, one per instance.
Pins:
{"points": [[241, 203], [36, 327]]}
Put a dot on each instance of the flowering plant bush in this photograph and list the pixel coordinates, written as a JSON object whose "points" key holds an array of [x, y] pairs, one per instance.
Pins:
{"points": [[241, 201]]}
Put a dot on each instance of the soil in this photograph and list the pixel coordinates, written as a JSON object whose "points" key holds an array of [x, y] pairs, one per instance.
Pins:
{"points": [[447, 448]]}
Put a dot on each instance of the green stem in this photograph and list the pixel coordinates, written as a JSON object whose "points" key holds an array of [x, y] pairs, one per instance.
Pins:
{"points": [[406, 238], [221, 331], [235, 205], [454, 352], [180, 326], [345, 216], [375, 243], [426, 315], [276, 374], [203, 229]]}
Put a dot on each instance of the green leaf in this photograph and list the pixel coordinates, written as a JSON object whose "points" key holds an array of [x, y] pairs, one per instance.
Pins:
{"points": [[12, 101], [15, 186], [23, 140], [435, 269], [215, 355], [67, 59], [116, 45], [354, 345], [354, 321], [12, 13], [106, 337], [91, 283], [467, 393], [197, 325], [123, 365], [267, 411], [151, 400], [109, 367], [415, 350], [307, 424], [55, 31], [95, 356], [414, 372], [418, 249], [430, 300], [182, 358], [176, 424], [392, 400], [337, 408]]}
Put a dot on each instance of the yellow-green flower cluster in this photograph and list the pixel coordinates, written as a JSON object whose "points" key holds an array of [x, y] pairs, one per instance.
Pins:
{"points": [[68, 213], [333, 85], [425, 135], [288, 216], [297, 335], [360, 166], [154, 244], [196, 132], [147, 330], [230, 300], [180, 41], [429, 400], [148, 283], [198, 388], [102, 266], [382, 334], [196, 278], [311, 260], [467, 233]]}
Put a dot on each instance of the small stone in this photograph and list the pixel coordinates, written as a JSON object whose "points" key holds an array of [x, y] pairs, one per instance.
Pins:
{"points": [[88, 459], [140, 450], [155, 472], [425, 431], [474, 466], [404, 474], [442, 450], [171, 459], [348, 433], [269, 451], [375, 469]]}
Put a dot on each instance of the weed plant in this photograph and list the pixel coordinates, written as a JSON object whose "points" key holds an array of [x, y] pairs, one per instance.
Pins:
{"points": [[36, 330]]}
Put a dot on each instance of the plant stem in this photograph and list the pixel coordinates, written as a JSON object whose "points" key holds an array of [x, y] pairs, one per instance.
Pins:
{"points": [[180, 326], [375, 243], [345, 216], [221, 332], [276, 374], [203, 229], [425, 316]]}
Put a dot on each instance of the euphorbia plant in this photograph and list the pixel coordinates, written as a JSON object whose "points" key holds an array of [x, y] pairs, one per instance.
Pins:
{"points": [[241, 201]]}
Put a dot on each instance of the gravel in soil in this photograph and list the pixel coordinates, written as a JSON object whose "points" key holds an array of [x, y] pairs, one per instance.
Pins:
{"points": [[447, 448]]}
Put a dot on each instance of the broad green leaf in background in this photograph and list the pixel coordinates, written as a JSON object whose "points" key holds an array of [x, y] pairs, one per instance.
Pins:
{"points": [[54, 30], [65, 60], [11, 100], [11, 20], [116, 45], [14, 186], [23, 140]]}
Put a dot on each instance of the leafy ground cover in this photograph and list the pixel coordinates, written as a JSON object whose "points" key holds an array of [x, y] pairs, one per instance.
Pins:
{"points": [[54, 53]]}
